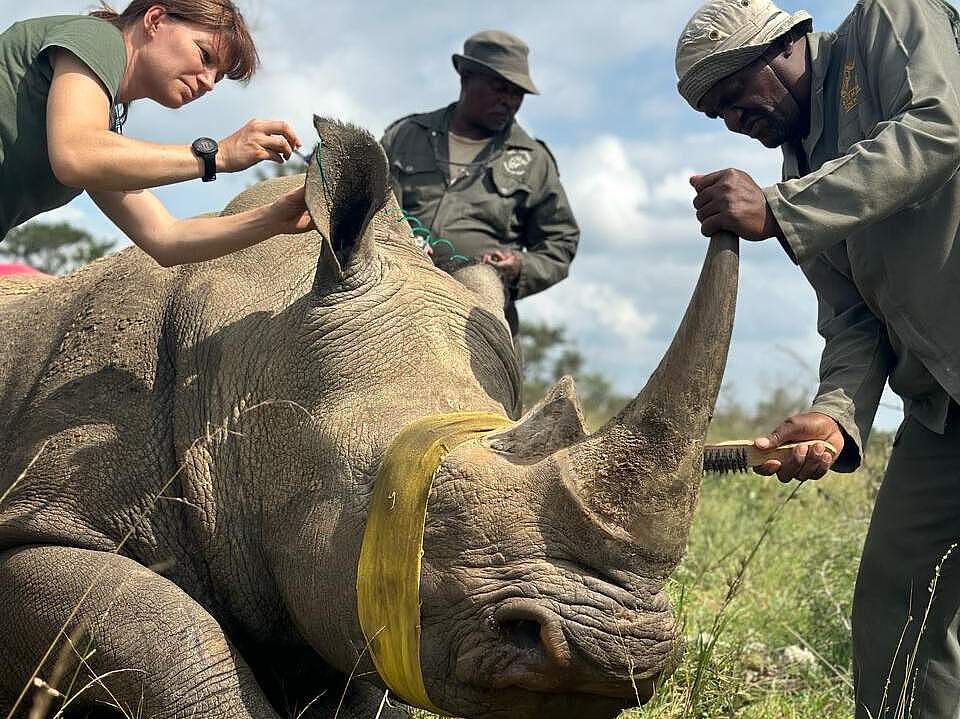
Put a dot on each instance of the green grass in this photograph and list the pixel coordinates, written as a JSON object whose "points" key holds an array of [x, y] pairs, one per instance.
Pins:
{"points": [[766, 615]]}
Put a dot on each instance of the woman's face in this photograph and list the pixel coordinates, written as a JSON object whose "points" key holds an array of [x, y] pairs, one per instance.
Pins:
{"points": [[180, 61]]}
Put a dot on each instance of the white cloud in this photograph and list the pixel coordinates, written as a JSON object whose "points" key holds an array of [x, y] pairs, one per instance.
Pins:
{"points": [[584, 307], [629, 192], [607, 190], [675, 188], [68, 213]]}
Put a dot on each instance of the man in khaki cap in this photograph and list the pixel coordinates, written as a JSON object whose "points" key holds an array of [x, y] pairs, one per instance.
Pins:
{"points": [[483, 189], [868, 119]]}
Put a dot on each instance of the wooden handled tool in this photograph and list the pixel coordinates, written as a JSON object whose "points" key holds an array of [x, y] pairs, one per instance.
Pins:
{"points": [[740, 455]]}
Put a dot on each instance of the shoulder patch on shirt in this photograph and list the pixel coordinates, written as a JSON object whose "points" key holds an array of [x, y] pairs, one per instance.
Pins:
{"points": [[516, 161], [849, 88]]}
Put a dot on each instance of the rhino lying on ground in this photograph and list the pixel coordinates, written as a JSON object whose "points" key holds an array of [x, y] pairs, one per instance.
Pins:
{"points": [[187, 458]]}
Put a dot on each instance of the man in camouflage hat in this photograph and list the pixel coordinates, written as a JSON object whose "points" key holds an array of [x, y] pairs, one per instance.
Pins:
{"points": [[483, 188], [868, 120]]}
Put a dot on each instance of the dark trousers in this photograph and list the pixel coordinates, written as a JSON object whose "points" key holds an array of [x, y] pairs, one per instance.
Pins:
{"points": [[905, 641]]}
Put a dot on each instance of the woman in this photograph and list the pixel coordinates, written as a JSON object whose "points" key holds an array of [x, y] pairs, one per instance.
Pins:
{"points": [[65, 85]]}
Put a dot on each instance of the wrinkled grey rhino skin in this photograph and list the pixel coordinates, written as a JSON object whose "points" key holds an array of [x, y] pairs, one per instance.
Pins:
{"points": [[187, 456]]}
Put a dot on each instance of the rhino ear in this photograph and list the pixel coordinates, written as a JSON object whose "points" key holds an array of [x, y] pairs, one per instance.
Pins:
{"points": [[346, 186], [554, 423]]}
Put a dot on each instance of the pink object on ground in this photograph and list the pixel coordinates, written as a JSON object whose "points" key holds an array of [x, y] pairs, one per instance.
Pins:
{"points": [[17, 268]]}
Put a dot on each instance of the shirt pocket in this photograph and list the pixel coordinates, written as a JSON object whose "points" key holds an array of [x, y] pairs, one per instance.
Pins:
{"points": [[510, 197], [420, 181], [848, 134]]}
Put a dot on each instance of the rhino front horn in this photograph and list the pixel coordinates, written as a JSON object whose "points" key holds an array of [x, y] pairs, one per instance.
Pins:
{"points": [[638, 477]]}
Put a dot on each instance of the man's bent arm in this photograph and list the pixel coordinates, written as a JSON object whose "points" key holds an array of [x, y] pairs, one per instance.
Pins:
{"points": [[856, 358], [913, 67]]}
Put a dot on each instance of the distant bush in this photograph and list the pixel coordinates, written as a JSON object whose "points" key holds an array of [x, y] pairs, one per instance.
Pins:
{"points": [[548, 355], [54, 248]]}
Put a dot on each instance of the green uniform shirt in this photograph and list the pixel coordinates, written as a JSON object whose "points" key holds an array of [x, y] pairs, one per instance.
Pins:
{"points": [[870, 209], [510, 198], [27, 183]]}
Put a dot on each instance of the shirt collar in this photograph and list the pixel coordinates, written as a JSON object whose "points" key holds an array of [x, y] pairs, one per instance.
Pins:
{"points": [[512, 136], [820, 45]]}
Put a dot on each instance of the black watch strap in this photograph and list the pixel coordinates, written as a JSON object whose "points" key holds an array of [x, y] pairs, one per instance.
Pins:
{"points": [[206, 149]]}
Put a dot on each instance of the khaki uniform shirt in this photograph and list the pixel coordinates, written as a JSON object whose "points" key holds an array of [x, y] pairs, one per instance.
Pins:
{"points": [[510, 197], [870, 209]]}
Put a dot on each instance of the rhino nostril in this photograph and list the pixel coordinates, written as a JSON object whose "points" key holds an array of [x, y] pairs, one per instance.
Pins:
{"points": [[525, 633], [529, 626]]}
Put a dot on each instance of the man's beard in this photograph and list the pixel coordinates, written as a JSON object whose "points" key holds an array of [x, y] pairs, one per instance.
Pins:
{"points": [[774, 131]]}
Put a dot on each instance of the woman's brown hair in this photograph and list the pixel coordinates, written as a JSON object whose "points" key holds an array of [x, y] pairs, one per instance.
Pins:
{"points": [[221, 16]]}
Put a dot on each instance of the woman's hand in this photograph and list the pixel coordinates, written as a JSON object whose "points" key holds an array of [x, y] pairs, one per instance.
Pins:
{"points": [[85, 154], [289, 212], [256, 141], [174, 242]]}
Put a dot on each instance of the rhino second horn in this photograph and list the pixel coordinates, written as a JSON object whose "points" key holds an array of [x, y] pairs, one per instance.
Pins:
{"points": [[638, 477]]}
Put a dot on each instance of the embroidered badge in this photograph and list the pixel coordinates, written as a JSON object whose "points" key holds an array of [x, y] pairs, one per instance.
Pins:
{"points": [[516, 161], [849, 88]]}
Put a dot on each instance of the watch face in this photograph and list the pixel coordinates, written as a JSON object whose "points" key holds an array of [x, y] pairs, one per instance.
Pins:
{"points": [[205, 146]]}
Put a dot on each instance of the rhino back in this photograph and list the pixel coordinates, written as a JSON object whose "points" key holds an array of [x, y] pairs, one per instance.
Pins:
{"points": [[83, 378], [87, 383]]}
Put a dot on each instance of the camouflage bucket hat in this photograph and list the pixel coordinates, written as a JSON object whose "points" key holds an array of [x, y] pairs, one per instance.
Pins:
{"points": [[498, 52], [725, 36]]}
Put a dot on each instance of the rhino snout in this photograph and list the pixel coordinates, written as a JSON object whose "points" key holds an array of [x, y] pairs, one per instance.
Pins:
{"points": [[547, 654]]}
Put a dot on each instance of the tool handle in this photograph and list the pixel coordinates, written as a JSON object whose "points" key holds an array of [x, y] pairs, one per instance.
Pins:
{"points": [[756, 457]]}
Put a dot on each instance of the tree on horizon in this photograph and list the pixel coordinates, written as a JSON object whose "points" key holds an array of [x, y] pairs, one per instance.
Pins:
{"points": [[53, 247]]}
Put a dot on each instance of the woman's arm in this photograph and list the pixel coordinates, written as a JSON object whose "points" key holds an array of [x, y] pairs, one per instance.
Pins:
{"points": [[84, 153], [171, 242]]}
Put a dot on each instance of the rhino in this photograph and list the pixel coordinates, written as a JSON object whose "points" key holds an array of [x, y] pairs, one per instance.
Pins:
{"points": [[188, 456]]}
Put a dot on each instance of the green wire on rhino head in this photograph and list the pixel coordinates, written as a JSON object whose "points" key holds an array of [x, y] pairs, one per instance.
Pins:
{"points": [[318, 153], [441, 241], [423, 235], [418, 231]]}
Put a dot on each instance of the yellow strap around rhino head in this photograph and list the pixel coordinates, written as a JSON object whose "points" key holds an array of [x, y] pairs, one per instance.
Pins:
{"points": [[388, 575]]}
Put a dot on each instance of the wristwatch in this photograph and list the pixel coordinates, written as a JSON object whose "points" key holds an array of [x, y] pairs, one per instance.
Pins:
{"points": [[206, 150]]}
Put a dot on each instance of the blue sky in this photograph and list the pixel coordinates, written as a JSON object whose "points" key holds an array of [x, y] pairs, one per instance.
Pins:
{"points": [[624, 140]]}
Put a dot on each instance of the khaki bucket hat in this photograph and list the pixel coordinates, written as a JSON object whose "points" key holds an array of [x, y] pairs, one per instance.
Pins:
{"points": [[725, 36], [498, 52]]}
